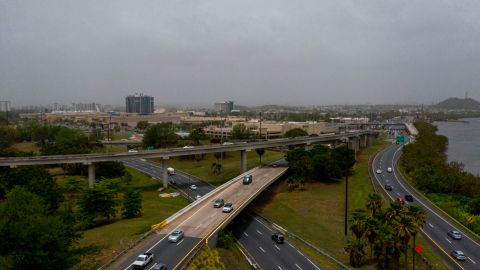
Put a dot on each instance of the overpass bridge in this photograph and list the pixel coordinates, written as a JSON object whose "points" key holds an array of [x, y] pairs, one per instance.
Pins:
{"points": [[356, 139], [201, 223]]}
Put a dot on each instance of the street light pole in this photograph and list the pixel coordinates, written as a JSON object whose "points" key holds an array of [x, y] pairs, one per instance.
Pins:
{"points": [[260, 131], [346, 194]]}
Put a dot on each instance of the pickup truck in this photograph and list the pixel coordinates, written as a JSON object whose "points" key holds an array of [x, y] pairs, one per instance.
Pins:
{"points": [[142, 260]]}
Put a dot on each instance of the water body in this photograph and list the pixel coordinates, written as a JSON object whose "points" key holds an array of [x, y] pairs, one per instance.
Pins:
{"points": [[463, 142]]}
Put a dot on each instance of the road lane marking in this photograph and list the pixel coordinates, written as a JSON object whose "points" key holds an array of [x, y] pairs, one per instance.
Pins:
{"points": [[246, 234], [298, 266], [259, 232], [472, 260], [291, 245], [180, 242], [313, 264], [262, 249], [278, 266], [300, 253], [430, 224], [448, 240], [276, 247], [152, 266], [398, 194]]}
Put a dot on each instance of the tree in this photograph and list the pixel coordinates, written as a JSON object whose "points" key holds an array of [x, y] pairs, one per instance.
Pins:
{"points": [[8, 135], [295, 132], [240, 132], [356, 248], [37, 238], [142, 125], [196, 135], [216, 168], [97, 202], [70, 141], [357, 223], [374, 204], [207, 259], [132, 203], [109, 169], [260, 152], [160, 135]]}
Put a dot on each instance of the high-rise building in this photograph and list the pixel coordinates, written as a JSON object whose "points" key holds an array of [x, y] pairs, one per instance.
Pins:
{"points": [[139, 103], [224, 107]]}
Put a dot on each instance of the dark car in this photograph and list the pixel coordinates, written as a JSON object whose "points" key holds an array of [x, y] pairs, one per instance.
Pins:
{"points": [[455, 234], [274, 165], [159, 266], [218, 203], [388, 187], [247, 179], [278, 238], [409, 198]]}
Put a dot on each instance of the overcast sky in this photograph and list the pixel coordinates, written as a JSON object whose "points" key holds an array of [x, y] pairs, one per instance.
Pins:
{"points": [[296, 52]]}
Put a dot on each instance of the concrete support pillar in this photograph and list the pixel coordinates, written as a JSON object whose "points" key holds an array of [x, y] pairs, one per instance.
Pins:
{"points": [[308, 147], [243, 160], [91, 175], [165, 171]]}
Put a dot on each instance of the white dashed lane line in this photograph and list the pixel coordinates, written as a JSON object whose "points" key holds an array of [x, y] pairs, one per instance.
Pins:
{"points": [[472, 260], [180, 242], [298, 266], [259, 232], [276, 247], [263, 250], [246, 234], [430, 224], [448, 240]]}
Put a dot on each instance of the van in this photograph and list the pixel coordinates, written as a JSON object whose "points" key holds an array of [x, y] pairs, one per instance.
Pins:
{"points": [[247, 179], [170, 171]]}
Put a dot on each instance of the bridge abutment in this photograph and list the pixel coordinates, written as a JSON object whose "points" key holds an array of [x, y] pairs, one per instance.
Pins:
{"points": [[91, 175], [165, 171], [243, 160]]}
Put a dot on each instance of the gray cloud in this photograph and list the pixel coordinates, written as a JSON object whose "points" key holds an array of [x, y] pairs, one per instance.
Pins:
{"points": [[253, 52]]}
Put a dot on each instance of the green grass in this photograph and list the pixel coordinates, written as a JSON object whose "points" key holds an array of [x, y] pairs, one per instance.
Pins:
{"points": [[27, 147], [317, 214], [231, 163], [105, 241], [233, 259]]}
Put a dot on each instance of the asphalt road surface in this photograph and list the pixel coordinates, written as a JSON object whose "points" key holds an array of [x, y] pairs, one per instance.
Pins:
{"points": [[436, 228], [252, 233]]}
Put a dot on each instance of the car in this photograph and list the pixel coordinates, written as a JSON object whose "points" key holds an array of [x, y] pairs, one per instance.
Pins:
{"points": [[227, 143], [278, 238], [194, 187], [159, 266], [458, 255], [132, 151], [188, 147], [379, 171], [218, 203], [142, 260], [389, 169], [409, 198], [400, 200], [247, 179], [173, 182], [175, 236], [227, 208], [274, 165], [388, 187], [455, 234], [198, 197], [171, 171]]}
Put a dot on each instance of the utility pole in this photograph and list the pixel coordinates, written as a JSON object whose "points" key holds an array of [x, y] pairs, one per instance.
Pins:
{"points": [[260, 131], [346, 193]]}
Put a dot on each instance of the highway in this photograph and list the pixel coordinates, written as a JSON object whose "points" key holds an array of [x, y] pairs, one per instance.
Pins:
{"points": [[436, 228], [252, 233]]}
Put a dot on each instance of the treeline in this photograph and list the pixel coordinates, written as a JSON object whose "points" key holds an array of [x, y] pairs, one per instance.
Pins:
{"points": [[427, 165], [320, 163]]}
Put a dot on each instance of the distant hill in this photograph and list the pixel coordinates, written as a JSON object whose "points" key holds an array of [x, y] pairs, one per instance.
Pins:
{"points": [[459, 104]]}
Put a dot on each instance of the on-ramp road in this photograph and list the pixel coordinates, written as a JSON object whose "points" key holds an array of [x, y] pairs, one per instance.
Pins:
{"points": [[436, 228], [252, 233]]}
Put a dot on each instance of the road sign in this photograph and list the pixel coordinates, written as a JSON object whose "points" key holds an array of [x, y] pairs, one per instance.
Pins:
{"points": [[418, 248]]}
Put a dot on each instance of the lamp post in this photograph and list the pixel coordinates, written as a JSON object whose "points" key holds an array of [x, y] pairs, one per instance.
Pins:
{"points": [[346, 191], [260, 130]]}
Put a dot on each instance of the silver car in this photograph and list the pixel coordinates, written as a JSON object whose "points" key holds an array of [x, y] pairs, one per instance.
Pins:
{"points": [[175, 236], [227, 208], [458, 255], [455, 234]]}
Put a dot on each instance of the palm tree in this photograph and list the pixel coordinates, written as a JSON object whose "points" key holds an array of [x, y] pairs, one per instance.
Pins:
{"points": [[384, 245], [260, 152], [393, 212], [419, 218], [403, 229], [356, 247], [374, 203], [357, 223], [371, 232]]}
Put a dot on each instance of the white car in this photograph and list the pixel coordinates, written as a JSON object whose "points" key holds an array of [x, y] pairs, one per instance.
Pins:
{"points": [[389, 169], [227, 208], [198, 197], [171, 171], [175, 236], [194, 187], [379, 171], [132, 151], [188, 147], [227, 143]]}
